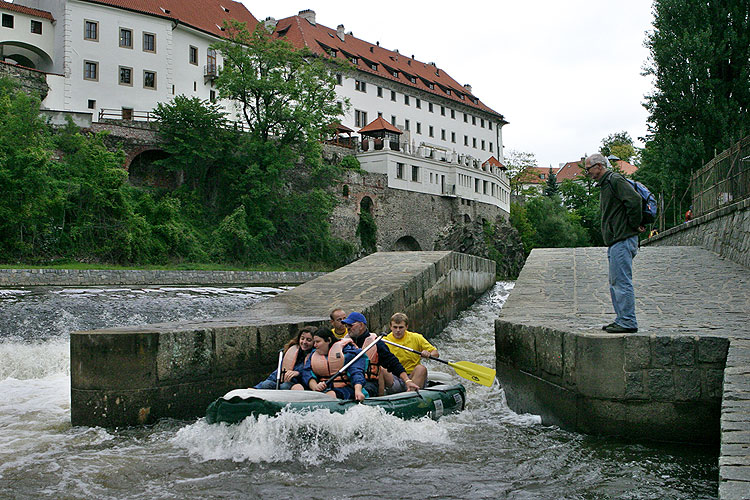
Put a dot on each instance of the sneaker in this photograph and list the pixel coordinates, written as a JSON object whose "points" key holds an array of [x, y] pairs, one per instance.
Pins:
{"points": [[609, 326], [615, 328]]}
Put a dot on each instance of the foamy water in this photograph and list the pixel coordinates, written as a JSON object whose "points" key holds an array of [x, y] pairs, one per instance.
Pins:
{"points": [[486, 451]]}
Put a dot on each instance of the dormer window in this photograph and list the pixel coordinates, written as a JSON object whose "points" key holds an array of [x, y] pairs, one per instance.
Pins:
{"points": [[166, 11], [448, 91], [373, 66], [463, 97], [413, 79], [395, 74], [224, 9], [431, 86], [354, 60]]}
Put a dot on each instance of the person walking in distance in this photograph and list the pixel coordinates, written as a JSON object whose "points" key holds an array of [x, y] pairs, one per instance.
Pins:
{"points": [[621, 207]]}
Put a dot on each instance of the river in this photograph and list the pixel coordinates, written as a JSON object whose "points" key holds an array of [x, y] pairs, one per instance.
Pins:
{"points": [[486, 451]]}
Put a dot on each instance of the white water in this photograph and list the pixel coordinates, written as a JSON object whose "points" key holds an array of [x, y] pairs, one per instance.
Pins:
{"points": [[486, 451]]}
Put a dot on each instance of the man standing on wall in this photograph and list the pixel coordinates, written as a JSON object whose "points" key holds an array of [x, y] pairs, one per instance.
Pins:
{"points": [[621, 222]]}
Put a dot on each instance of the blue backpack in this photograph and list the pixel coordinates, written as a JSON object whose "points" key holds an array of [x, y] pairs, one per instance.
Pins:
{"points": [[648, 206]]}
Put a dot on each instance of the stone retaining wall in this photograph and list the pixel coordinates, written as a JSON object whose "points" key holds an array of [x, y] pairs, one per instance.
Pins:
{"points": [[136, 375], [725, 231], [93, 277]]}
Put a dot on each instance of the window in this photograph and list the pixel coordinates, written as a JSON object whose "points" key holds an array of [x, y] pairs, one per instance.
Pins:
{"points": [[453, 137], [482, 144], [373, 66], [211, 62], [429, 107], [127, 113], [414, 173], [484, 187], [419, 128], [419, 103], [149, 79], [380, 91], [473, 120], [360, 118], [7, 21], [406, 125], [354, 60], [442, 134], [393, 95], [36, 27], [489, 124], [481, 121], [126, 38], [361, 86], [126, 76], [195, 86], [466, 118], [490, 147], [406, 99], [432, 131], [399, 170], [193, 55], [91, 30], [212, 95], [476, 185], [466, 140], [393, 119], [338, 79], [149, 42], [380, 114], [474, 142], [453, 114], [90, 70], [92, 104], [442, 110]]}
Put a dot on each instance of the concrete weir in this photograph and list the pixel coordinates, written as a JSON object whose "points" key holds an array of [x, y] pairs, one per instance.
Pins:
{"points": [[136, 375], [667, 382]]}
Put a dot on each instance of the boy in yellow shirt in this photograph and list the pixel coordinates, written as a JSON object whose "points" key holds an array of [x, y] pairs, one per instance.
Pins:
{"points": [[412, 362]]}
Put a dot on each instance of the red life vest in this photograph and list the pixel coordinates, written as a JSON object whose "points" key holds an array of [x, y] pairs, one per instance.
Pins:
{"points": [[325, 366]]}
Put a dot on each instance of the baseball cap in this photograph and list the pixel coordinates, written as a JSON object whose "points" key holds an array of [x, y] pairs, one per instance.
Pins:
{"points": [[354, 318]]}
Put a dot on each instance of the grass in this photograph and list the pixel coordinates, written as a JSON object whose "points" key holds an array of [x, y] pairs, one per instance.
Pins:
{"points": [[189, 266]]}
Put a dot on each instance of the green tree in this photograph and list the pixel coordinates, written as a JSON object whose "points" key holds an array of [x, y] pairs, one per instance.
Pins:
{"points": [[619, 144], [554, 225], [700, 62], [582, 198], [520, 167], [552, 188]]}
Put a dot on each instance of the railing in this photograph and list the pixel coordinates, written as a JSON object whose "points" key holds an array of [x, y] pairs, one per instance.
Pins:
{"points": [[723, 180], [126, 114]]}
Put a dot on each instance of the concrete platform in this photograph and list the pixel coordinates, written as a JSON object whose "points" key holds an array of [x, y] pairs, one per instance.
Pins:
{"points": [[685, 376]]}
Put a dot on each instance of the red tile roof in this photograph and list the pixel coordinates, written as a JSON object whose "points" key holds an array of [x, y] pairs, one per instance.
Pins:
{"points": [[205, 15], [26, 10], [409, 72], [494, 162], [625, 167], [533, 175], [570, 170], [380, 124]]}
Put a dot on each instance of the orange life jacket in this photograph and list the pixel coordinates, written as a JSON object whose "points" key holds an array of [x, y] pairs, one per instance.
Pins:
{"points": [[290, 358], [325, 366], [373, 369]]}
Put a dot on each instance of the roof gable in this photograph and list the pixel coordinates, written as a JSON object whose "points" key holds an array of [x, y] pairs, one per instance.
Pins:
{"points": [[380, 123]]}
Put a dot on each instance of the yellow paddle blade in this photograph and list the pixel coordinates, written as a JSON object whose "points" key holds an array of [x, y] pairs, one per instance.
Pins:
{"points": [[474, 372]]}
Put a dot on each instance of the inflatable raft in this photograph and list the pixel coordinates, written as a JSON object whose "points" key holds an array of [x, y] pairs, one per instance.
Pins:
{"points": [[443, 396]]}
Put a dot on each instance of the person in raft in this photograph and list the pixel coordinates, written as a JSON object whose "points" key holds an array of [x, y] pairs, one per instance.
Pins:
{"points": [[411, 362], [380, 356], [337, 327], [328, 357], [295, 353]]}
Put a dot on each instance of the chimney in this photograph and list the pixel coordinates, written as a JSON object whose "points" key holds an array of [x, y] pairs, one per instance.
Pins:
{"points": [[270, 24], [309, 15], [468, 88], [340, 32]]}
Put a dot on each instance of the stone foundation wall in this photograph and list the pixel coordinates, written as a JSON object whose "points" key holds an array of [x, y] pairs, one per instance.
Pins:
{"points": [[136, 375], [32, 82], [725, 231]]}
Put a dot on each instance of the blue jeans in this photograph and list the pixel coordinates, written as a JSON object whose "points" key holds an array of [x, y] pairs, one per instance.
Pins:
{"points": [[620, 256], [271, 384]]}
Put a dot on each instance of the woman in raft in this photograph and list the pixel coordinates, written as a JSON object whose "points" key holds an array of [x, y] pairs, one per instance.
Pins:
{"points": [[327, 358], [295, 353]]}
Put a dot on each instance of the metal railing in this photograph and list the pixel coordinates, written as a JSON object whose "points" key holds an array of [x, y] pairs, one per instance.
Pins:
{"points": [[126, 114], [723, 180]]}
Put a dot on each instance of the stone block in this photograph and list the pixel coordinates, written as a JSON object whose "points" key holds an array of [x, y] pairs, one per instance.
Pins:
{"points": [[569, 359], [683, 348], [687, 384], [236, 348], [600, 361], [660, 383], [515, 346], [713, 384], [661, 352], [637, 353], [185, 354], [635, 387], [549, 344], [712, 349]]}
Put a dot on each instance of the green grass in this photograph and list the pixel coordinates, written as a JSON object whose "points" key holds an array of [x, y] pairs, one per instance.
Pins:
{"points": [[286, 266]]}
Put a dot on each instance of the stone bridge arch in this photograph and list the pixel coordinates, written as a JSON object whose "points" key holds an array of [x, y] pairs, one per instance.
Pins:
{"points": [[142, 170], [406, 243]]}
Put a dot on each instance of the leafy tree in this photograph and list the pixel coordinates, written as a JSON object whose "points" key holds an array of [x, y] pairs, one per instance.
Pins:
{"points": [[700, 60], [520, 222], [554, 226], [520, 167], [619, 144], [582, 198], [552, 188]]}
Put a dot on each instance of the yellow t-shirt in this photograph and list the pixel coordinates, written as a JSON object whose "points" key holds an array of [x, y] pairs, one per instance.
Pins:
{"points": [[416, 341], [339, 336]]}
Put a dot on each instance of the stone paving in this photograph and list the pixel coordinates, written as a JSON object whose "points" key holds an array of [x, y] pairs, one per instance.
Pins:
{"points": [[679, 290]]}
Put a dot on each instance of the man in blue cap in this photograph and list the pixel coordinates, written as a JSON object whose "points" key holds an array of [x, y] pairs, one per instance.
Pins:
{"points": [[385, 374]]}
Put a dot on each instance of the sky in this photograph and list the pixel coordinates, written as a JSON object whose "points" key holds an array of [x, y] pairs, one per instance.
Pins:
{"points": [[565, 74]]}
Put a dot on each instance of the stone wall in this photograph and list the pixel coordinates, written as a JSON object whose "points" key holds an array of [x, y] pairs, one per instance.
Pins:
{"points": [[136, 375], [725, 231], [93, 277], [32, 82], [401, 215]]}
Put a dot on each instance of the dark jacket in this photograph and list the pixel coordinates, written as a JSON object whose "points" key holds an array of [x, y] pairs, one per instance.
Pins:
{"points": [[386, 358], [621, 208]]}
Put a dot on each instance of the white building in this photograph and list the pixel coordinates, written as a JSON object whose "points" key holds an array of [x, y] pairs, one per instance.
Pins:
{"points": [[119, 58]]}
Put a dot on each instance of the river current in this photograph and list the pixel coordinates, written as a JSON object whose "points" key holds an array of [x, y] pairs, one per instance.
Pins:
{"points": [[486, 451]]}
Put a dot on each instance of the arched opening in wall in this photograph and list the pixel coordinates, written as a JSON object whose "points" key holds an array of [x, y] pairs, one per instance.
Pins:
{"points": [[143, 172], [367, 230], [345, 191], [467, 218], [406, 244], [25, 54]]}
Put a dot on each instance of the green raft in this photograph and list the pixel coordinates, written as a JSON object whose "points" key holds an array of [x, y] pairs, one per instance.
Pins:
{"points": [[434, 401]]}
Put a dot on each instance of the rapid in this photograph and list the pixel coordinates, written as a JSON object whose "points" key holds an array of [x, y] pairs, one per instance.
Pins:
{"points": [[486, 451]]}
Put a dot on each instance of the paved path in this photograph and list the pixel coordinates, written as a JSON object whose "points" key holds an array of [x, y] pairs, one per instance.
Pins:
{"points": [[679, 290]]}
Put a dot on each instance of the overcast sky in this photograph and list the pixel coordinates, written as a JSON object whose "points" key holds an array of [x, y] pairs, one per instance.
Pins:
{"points": [[565, 74]]}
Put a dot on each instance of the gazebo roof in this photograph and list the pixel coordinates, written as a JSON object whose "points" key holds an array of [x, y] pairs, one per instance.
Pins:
{"points": [[379, 124], [339, 128]]}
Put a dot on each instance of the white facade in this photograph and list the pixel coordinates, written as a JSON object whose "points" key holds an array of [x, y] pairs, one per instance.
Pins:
{"points": [[27, 40]]}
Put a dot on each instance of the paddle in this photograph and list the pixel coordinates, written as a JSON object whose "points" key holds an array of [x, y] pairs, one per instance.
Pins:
{"points": [[355, 358], [466, 369], [278, 369]]}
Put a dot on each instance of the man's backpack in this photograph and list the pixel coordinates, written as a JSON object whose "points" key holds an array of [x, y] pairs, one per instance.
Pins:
{"points": [[648, 202]]}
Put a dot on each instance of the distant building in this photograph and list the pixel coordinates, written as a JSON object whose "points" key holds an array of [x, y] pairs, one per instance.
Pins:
{"points": [[573, 170], [535, 179]]}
